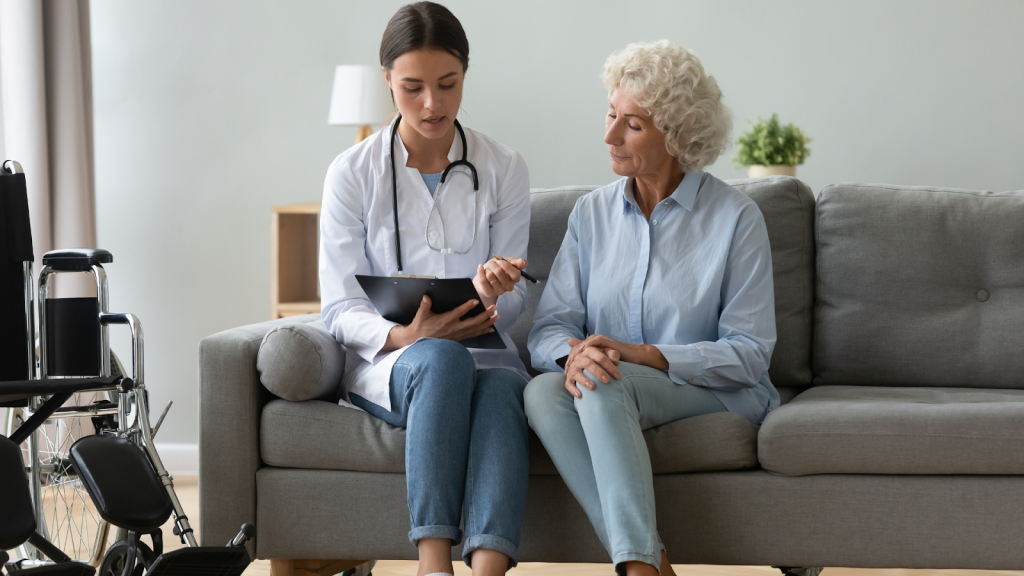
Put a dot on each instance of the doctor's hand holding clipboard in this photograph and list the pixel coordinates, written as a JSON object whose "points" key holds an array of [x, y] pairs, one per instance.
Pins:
{"points": [[493, 278]]}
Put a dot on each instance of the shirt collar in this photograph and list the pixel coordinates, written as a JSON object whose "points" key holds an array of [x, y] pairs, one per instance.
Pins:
{"points": [[685, 194], [402, 155]]}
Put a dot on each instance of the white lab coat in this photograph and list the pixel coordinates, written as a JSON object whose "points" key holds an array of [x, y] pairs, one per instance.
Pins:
{"points": [[357, 236]]}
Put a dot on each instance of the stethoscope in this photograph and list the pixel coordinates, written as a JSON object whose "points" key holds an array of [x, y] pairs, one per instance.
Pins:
{"points": [[437, 193]]}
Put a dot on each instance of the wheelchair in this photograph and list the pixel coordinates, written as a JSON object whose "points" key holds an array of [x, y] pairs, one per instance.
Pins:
{"points": [[74, 483]]}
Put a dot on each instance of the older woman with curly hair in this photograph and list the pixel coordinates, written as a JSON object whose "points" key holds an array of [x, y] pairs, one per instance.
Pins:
{"points": [[659, 305]]}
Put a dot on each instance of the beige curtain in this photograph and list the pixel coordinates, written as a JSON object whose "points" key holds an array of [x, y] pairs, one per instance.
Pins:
{"points": [[46, 86]]}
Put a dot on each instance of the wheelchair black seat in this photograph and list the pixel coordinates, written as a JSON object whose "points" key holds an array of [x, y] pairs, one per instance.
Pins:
{"points": [[201, 561], [122, 483]]}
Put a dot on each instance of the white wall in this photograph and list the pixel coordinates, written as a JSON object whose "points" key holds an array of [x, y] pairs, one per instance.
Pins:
{"points": [[208, 113]]}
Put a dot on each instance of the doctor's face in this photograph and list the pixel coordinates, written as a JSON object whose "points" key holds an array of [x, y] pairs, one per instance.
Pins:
{"points": [[636, 146], [427, 85]]}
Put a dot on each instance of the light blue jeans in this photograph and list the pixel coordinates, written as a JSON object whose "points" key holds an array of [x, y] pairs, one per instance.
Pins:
{"points": [[466, 446], [597, 444]]}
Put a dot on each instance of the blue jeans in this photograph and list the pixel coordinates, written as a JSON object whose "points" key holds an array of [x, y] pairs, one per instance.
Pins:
{"points": [[597, 444], [466, 446]]}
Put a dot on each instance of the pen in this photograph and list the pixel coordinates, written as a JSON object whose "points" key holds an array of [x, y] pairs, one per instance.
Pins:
{"points": [[525, 275]]}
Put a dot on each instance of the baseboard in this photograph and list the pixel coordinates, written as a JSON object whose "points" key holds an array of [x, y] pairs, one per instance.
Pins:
{"points": [[179, 459]]}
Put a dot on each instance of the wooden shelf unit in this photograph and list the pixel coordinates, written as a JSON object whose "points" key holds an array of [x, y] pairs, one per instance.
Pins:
{"points": [[294, 271]]}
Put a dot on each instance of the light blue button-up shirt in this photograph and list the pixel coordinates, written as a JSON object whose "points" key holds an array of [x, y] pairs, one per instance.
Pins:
{"points": [[695, 281]]}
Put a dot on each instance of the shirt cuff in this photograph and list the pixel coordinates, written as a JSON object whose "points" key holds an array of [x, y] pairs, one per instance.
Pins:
{"points": [[507, 307], [685, 363], [382, 328], [556, 353]]}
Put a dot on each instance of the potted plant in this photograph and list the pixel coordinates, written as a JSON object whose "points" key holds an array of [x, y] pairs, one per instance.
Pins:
{"points": [[769, 149]]}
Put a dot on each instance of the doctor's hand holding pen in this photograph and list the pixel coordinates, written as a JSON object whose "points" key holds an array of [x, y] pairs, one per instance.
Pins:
{"points": [[497, 276]]}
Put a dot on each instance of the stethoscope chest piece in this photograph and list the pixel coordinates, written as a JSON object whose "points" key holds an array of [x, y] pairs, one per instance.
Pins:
{"points": [[437, 193]]}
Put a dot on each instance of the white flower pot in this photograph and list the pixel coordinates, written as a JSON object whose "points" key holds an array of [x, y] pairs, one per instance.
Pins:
{"points": [[774, 170]]}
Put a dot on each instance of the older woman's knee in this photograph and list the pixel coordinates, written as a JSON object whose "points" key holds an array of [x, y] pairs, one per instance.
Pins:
{"points": [[605, 398], [543, 394]]}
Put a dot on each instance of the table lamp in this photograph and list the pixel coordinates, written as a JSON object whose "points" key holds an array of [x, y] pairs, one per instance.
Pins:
{"points": [[361, 97]]}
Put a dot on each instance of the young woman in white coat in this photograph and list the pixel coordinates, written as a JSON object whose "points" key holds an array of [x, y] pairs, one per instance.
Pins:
{"points": [[466, 439]]}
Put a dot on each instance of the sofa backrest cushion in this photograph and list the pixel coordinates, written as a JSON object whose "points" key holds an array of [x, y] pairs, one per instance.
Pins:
{"points": [[787, 205], [788, 208], [919, 287]]}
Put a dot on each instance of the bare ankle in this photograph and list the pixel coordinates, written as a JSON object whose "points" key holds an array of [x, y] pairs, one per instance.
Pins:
{"points": [[488, 562], [435, 556], [666, 568]]}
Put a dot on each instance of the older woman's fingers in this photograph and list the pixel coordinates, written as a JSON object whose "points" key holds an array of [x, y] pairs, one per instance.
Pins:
{"points": [[570, 385], [613, 355], [577, 375], [599, 364], [596, 370]]}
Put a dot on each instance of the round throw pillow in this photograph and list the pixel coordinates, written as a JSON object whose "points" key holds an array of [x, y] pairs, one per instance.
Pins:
{"points": [[300, 362]]}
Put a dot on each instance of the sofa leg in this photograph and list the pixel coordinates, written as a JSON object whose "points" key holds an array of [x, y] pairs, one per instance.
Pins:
{"points": [[794, 571], [289, 567]]}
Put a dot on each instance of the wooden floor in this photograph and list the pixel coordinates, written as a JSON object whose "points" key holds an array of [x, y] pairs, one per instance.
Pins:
{"points": [[188, 491]]}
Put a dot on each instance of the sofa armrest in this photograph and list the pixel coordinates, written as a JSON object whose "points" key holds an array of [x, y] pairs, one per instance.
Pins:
{"points": [[230, 401]]}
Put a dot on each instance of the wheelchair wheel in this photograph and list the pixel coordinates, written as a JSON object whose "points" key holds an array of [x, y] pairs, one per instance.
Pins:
{"points": [[71, 521], [117, 554]]}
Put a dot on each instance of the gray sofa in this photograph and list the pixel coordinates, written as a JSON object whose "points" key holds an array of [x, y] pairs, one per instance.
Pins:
{"points": [[900, 443]]}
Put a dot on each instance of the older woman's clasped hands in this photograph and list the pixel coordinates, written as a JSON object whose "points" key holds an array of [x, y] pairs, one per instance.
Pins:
{"points": [[659, 305], [600, 356]]}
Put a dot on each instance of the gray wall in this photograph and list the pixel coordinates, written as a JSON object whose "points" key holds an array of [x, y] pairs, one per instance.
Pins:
{"points": [[208, 113]]}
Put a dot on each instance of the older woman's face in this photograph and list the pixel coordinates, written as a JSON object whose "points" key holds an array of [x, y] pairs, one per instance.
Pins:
{"points": [[637, 148]]}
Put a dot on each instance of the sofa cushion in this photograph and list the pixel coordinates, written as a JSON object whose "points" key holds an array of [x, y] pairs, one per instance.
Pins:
{"points": [[919, 287], [326, 436], [895, 430], [301, 362], [788, 208]]}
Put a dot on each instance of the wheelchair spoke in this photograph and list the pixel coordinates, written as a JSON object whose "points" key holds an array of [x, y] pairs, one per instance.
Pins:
{"points": [[72, 522]]}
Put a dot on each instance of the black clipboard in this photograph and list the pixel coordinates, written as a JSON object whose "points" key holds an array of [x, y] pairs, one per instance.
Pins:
{"points": [[398, 299]]}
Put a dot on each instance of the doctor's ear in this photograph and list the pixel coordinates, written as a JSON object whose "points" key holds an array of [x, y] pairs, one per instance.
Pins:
{"points": [[387, 77]]}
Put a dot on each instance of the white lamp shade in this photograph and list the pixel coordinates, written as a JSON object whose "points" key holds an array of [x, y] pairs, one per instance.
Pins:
{"points": [[360, 96]]}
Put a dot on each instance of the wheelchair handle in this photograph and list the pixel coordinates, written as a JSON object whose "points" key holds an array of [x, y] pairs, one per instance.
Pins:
{"points": [[138, 344]]}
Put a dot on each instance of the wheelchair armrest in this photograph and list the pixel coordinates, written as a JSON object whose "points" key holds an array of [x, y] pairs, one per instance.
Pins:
{"points": [[76, 259]]}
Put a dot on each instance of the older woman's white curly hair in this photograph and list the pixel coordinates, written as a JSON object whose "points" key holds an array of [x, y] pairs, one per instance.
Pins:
{"points": [[669, 82]]}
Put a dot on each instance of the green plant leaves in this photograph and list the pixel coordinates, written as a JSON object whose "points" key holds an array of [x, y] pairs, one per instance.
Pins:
{"points": [[768, 143]]}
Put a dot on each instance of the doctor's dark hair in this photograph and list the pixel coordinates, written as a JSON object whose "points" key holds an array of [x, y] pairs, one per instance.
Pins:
{"points": [[423, 25]]}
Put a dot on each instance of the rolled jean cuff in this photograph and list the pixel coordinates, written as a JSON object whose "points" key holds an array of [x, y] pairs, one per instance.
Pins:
{"points": [[620, 559], [450, 532], [490, 542]]}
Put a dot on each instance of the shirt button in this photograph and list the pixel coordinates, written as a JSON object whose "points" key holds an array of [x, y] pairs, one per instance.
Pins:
{"points": [[433, 234], [654, 222], [982, 295]]}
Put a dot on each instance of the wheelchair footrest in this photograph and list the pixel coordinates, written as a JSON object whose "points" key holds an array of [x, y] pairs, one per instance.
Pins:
{"points": [[122, 483], [59, 569], [201, 561]]}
